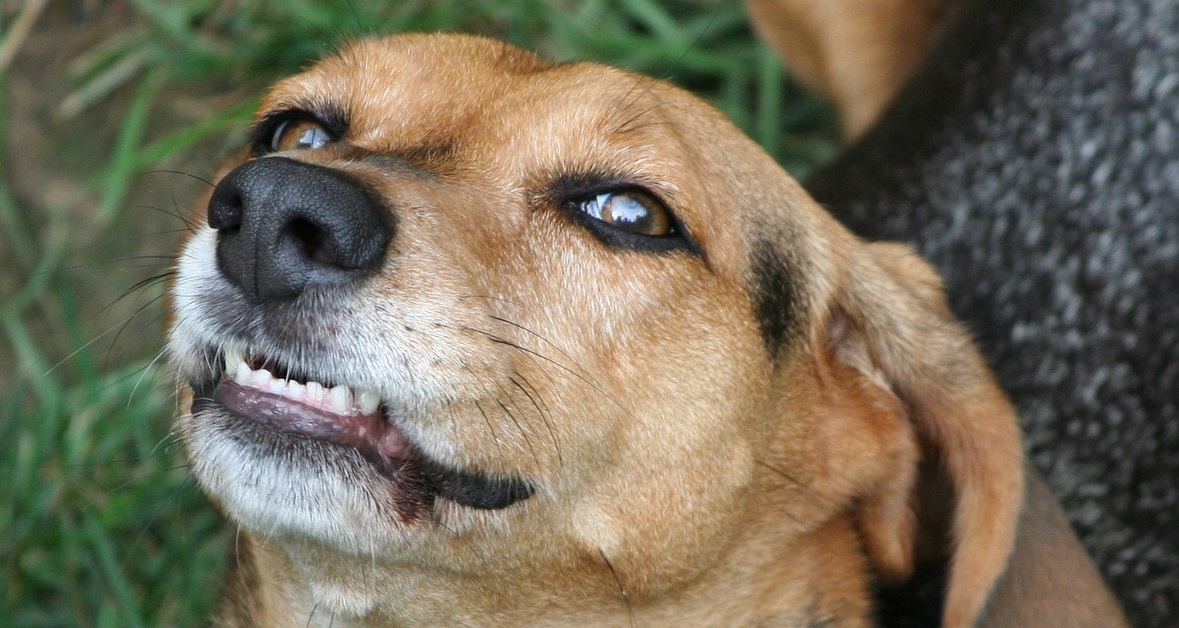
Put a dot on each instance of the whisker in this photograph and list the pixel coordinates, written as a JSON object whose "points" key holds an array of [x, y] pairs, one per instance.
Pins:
{"points": [[799, 483], [143, 373], [490, 426], [138, 286], [109, 260], [629, 125], [544, 417], [787, 476], [695, 44], [181, 173], [520, 428], [535, 335], [650, 83], [120, 326], [589, 382], [621, 590], [189, 225], [123, 327]]}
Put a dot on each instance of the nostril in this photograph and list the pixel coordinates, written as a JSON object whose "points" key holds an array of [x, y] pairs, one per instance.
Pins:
{"points": [[312, 241], [225, 212]]}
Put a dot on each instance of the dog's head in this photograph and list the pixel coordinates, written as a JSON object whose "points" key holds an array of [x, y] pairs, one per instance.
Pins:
{"points": [[472, 335]]}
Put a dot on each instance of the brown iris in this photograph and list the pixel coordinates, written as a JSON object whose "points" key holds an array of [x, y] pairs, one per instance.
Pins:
{"points": [[631, 210], [298, 134]]}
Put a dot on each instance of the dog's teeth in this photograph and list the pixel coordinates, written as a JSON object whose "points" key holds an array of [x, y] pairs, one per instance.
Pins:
{"points": [[314, 392], [260, 379], [341, 399], [233, 361], [368, 401], [242, 374]]}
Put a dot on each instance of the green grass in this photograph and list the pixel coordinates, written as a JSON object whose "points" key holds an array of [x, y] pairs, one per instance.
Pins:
{"points": [[101, 524]]}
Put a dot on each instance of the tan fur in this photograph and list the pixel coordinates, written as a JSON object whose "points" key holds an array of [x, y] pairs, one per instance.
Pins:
{"points": [[686, 471], [858, 53], [1050, 574]]}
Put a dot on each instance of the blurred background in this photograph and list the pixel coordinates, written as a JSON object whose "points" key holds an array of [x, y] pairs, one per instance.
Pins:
{"points": [[113, 115]]}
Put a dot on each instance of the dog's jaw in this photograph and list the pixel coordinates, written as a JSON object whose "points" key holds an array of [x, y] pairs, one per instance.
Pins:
{"points": [[287, 458]]}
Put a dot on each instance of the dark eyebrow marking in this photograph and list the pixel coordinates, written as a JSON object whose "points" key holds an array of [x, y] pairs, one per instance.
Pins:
{"points": [[775, 296]]}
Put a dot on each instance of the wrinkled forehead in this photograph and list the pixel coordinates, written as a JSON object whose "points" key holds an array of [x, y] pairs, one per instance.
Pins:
{"points": [[478, 100]]}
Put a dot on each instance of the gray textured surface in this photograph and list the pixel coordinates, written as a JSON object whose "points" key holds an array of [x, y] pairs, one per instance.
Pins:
{"points": [[1036, 163]]}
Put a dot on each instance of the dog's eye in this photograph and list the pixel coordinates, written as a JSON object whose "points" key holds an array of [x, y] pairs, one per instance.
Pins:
{"points": [[631, 210], [297, 134]]}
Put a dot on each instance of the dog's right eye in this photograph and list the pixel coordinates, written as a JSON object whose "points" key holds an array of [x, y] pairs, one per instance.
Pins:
{"points": [[298, 134]]}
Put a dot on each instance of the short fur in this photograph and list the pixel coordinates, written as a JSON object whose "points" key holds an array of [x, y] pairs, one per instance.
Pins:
{"points": [[1034, 160], [858, 53], [746, 425]]}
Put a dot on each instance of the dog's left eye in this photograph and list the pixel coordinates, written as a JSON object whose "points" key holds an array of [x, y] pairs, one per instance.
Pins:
{"points": [[296, 134], [631, 210]]}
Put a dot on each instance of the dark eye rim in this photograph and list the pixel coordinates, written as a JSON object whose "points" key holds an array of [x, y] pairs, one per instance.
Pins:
{"points": [[568, 192], [261, 136]]}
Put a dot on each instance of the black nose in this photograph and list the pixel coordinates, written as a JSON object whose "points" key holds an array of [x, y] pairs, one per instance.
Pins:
{"points": [[284, 226]]}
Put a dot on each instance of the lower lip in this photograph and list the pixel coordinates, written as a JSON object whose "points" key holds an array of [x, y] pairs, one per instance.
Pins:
{"points": [[415, 479], [287, 429], [368, 433]]}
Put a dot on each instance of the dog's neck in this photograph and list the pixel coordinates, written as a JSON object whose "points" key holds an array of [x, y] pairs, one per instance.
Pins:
{"points": [[296, 583]]}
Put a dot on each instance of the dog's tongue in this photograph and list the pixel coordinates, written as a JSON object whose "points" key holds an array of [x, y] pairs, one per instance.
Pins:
{"points": [[334, 415]]}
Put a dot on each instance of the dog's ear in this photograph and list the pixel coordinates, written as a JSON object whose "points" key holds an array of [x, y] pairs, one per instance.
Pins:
{"points": [[887, 337]]}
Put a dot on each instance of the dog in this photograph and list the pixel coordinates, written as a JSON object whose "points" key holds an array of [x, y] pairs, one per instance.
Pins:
{"points": [[856, 54], [1033, 160], [473, 338]]}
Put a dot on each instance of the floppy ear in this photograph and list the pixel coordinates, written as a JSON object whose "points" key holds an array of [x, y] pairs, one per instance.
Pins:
{"points": [[889, 328]]}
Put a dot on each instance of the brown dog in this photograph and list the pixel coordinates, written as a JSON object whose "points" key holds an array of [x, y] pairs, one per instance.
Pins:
{"points": [[476, 339], [857, 53]]}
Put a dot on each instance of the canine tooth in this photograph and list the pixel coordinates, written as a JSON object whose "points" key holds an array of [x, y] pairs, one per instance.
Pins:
{"points": [[233, 361], [341, 399], [314, 391], [368, 401], [242, 374]]}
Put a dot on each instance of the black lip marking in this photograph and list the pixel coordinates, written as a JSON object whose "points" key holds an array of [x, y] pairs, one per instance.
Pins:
{"points": [[475, 490]]}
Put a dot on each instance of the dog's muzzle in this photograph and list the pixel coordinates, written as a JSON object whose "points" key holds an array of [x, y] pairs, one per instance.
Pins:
{"points": [[286, 228]]}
